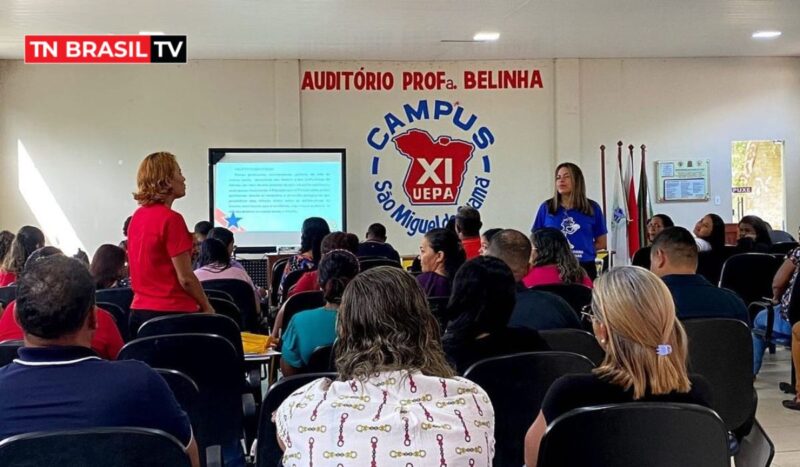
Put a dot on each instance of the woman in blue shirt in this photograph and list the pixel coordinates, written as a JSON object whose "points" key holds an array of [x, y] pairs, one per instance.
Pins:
{"points": [[579, 218]]}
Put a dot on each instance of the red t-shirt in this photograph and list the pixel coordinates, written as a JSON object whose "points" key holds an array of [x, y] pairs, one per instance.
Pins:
{"points": [[157, 234], [308, 282], [7, 278], [106, 340], [472, 247]]}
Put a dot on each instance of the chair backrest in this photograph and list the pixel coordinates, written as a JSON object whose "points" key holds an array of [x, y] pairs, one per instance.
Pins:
{"points": [[516, 385], [120, 296], [369, 263], [268, 452], [213, 364], [8, 351], [110, 447], [438, 306], [783, 247], [220, 294], [576, 341], [636, 434], [291, 280], [8, 294], [749, 275], [275, 280], [721, 351], [577, 295], [709, 263], [755, 449], [195, 323], [300, 302], [227, 308], [321, 360], [243, 296], [120, 318], [184, 388]]}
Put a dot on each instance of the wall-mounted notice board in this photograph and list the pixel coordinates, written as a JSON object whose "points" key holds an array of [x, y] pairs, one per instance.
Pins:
{"points": [[682, 180]]}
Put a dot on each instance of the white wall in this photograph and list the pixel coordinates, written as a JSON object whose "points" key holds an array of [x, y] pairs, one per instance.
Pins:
{"points": [[87, 127]]}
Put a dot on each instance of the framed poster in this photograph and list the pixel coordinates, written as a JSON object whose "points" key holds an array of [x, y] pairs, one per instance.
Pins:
{"points": [[682, 180]]}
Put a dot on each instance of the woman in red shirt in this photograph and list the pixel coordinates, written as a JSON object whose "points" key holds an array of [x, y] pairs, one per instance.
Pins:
{"points": [[160, 246], [27, 240]]}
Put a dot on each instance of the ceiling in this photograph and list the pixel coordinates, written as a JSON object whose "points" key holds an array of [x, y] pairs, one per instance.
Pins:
{"points": [[414, 29]]}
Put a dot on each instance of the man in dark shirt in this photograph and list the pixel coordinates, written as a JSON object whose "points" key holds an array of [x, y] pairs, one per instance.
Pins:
{"points": [[468, 228], [375, 244], [673, 257], [534, 309], [58, 383]]}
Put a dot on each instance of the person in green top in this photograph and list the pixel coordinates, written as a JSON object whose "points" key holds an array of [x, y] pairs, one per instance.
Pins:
{"points": [[310, 329]]}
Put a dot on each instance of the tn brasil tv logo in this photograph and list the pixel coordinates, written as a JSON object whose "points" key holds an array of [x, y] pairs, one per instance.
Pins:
{"points": [[105, 49], [437, 164]]}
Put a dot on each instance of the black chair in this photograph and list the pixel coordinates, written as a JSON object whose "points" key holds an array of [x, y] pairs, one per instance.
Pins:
{"points": [[709, 263], [194, 323], [243, 297], [120, 318], [721, 351], [516, 385], [291, 280], [783, 248], [575, 341], [268, 453], [8, 351], [321, 360], [110, 447], [755, 449], [227, 308], [577, 295], [642, 257], [636, 434], [120, 296], [300, 302], [369, 263], [275, 282], [186, 392], [212, 363], [8, 294], [749, 275], [438, 306], [220, 294]]}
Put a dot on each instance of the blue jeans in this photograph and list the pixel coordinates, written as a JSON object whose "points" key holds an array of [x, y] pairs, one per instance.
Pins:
{"points": [[781, 334]]}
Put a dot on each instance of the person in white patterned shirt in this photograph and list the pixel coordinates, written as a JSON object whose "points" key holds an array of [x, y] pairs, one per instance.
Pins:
{"points": [[397, 401]]}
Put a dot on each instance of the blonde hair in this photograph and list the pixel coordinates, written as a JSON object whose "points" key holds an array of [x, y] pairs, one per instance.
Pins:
{"points": [[154, 179], [637, 310], [384, 324]]}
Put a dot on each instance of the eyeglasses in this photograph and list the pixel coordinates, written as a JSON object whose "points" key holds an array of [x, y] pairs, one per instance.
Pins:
{"points": [[588, 314]]}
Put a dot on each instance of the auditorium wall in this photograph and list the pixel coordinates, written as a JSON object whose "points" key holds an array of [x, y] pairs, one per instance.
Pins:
{"points": [[85, 128]]}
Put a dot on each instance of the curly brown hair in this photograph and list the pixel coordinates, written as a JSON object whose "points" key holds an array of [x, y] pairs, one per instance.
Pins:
{"points": [[385, 324], [154, 179]]}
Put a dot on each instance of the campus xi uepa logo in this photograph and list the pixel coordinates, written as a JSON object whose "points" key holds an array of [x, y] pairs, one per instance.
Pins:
{"points": [[436, 178]]}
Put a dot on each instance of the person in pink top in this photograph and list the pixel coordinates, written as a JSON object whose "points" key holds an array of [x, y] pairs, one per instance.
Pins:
{"points": [[553, 262], [215, 263]]}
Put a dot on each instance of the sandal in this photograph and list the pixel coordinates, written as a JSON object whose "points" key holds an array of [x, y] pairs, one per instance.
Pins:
{"points": [[792, 404]]}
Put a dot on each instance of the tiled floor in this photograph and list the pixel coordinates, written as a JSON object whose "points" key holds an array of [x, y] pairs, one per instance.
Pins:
{"points": [[782, 425]]}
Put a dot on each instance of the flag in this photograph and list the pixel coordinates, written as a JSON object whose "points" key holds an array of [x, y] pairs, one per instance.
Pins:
{"points": [[644, 202], [633, 209], [619, 220]]}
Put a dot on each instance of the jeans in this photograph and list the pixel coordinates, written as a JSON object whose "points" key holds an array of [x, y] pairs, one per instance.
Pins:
{"points": [[781, 333]]}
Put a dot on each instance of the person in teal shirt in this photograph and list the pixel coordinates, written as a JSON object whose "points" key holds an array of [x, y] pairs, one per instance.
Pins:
{"points": [[310, 329]]}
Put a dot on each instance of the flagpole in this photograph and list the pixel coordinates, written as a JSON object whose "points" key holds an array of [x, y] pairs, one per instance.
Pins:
{"points": [[603, 174], [615, 255]]}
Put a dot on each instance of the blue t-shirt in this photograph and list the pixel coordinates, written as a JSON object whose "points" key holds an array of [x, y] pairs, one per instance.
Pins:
{"points": [[65, 388], [580, 229], [306, 331]]}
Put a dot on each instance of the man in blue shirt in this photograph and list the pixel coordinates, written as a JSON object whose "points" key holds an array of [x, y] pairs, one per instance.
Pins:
{"points": [[673, 257], [376, 245], [58, 383]]}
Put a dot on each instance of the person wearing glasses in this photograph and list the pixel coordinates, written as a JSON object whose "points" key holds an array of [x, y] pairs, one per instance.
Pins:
{"points": [[633, 318]]}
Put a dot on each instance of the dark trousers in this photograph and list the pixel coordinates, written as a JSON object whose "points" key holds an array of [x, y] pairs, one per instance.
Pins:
{"points": [[139, 317], [591, 269]]}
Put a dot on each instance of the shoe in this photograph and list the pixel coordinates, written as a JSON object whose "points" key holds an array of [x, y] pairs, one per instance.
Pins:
{"points": [[792, 404], [787, 388]]}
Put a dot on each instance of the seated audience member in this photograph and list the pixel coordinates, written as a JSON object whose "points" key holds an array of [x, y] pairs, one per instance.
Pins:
{"points": [[655, 225], [534, 309], [553, 262], [310, 329], [109, 267], [215, 263], [468, 227], [486, 237], [753, 236], [226, 237], [674, 259], [124, 243], [201, 230], [633, 317], [309, 281], [782, 285], [484, 294], [57, 383], [441, 254], [106, 340], [6, 239], [27, 240], [375, 244], [313, 231], [395, 388], [709, 233]]}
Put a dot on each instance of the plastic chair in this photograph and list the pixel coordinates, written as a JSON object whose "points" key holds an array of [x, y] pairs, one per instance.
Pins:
{"points": [[219, 294], [321, 360], [8, 294], [575, 341], [755, 449], [195, 323], [369, 263], [212, 363], [783, 248], [268, 453], [8, 351], [243, 296], [749, 275], [642, 257], [636, 434], [109, 447], [187, 394], [275, 282], [709, 263], [516, 385], [291, 280], [120, 296], [227, 308], [300, 302], [721, 351], [577, 295], [438, 306], [120, 318]]}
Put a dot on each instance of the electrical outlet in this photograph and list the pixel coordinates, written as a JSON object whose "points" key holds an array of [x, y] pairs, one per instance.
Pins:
{"points": [[717, 200]]}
